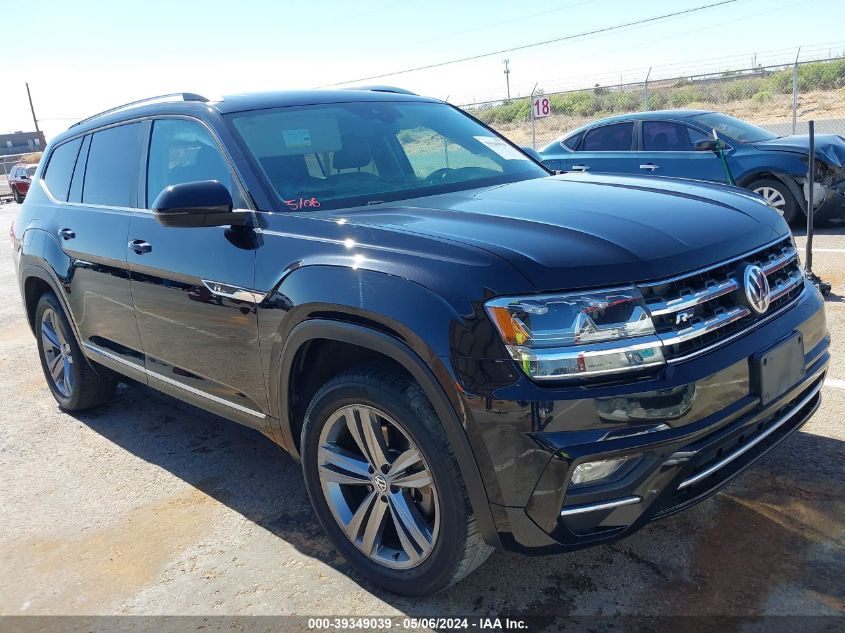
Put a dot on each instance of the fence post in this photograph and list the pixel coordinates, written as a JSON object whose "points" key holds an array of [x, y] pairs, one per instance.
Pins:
{"points": [[795, 90], [645, 90]]}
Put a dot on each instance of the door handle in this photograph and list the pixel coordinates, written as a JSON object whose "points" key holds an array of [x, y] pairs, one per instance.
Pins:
{"points": [[580, 168], [650, 166], [67, 234], [140, 246]]}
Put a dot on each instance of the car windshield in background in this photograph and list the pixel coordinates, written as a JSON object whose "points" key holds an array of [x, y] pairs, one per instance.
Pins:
{"points": [[30, 171], [734, 128], [349, 154]]}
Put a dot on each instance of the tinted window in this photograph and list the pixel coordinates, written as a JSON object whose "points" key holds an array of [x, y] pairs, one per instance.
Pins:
{"points": [[183, 151], [343, 154], [663, 136], [112, 170], [60, 168], [572, 141], [696, 135], [30, 171], [609, 138]]}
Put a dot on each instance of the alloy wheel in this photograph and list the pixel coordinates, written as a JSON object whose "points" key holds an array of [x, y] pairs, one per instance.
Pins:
{"points": [[378, 487], [57, 352], [773, 197]]}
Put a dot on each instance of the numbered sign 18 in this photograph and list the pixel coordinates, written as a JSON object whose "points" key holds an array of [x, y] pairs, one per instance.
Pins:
{"points": [[541, 107]]}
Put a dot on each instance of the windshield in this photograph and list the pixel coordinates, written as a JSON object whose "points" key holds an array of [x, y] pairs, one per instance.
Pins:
{"points": [[734, 128], [348, 154]]}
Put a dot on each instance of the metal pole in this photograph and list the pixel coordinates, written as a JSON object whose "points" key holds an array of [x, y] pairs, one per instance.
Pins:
{"points": [[507, 77], [533, 118], [811, 185], [29, 96], [645, 91], [795, 90]]}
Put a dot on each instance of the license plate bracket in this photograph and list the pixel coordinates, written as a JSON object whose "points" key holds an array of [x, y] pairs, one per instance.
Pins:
{"points": [[778, 368]]}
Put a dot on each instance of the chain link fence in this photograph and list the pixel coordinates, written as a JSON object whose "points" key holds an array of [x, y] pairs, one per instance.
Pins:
{"points": [[781, 98]]}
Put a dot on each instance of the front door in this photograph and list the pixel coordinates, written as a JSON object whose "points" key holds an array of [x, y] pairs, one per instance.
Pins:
{"points": [[192, 287], [668, 149]]}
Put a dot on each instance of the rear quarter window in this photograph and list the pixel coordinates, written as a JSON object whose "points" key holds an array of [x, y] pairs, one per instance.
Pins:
{"points": [[572, 141], [60, 168]]}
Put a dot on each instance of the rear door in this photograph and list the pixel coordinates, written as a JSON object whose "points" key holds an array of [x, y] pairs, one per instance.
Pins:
{"points": [[668, 149], [93, 210], [607, 148], [192, 287]]}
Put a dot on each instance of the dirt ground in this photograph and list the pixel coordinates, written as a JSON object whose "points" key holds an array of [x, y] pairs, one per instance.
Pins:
{"points": [[150, 506]]}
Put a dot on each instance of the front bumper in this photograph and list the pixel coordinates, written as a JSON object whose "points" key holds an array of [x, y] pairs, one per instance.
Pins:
{"points": [[692, 429]]}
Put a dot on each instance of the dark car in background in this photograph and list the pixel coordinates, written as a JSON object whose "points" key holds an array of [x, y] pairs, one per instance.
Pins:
{"points": [[20, 178], [678, 143], [465, 351]]}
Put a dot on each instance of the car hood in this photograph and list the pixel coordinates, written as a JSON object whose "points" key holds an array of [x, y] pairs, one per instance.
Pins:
{"points": [[829, 147], [573, 230]]}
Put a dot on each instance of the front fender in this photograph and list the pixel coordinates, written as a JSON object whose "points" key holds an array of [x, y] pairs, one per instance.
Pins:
{"points": [[406, 311]]}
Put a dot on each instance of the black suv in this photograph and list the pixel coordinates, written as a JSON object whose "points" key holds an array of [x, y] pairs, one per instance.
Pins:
{"points": [[465, 351]]}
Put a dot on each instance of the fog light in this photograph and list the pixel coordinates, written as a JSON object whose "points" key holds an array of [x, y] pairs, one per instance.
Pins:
{"points": [[590, 472]]}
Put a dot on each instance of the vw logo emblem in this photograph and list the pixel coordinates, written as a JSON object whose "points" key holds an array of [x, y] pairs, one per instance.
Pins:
{"points": [[756, 289], [380, 483]]}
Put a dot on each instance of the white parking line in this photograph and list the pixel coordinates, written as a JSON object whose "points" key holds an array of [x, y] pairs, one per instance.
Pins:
{"points": [[836, 384], [824, 250]]}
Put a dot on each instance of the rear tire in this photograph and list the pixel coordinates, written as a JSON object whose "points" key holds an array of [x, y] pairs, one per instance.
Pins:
{"points": [[17, 196], [74, 382], [778, 195], [337, 444]]}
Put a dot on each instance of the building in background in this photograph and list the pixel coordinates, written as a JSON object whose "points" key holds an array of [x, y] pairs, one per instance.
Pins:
{"points": [[21, 143]]}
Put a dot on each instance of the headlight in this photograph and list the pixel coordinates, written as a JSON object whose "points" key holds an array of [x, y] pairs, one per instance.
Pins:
{"points": [[577, 334]]}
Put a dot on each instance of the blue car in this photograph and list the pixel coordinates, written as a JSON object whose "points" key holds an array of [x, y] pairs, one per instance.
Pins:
{"points": [[682, 144]]}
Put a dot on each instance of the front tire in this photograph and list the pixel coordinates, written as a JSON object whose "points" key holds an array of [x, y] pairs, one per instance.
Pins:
{"points": [[74, 382], [778, 195], [385, 484], [17, 196]]}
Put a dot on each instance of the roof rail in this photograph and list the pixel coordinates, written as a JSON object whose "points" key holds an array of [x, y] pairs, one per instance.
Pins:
{"points": [[393, 89], [184, 96]]}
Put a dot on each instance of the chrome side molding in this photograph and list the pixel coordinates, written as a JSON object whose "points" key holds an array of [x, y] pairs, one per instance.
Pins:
{"points": [[98, 350]]}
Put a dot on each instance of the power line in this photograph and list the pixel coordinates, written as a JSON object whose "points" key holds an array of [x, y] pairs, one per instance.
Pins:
{"points": [[520, 18], [535, 44]]}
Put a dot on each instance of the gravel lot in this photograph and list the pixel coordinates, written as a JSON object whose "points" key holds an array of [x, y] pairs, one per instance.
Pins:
{"points": [[150, 506]]}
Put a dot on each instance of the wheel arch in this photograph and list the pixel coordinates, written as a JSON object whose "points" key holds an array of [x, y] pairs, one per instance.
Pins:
{"points": [[378, 344], [35, 281], [774, 174]]}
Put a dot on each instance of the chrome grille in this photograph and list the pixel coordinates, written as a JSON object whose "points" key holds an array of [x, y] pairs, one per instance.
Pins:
{"points": [[697, 311]]}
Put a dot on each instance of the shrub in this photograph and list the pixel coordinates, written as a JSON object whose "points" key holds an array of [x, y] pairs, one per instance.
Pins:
{"points": [[764, 96], [741, 89], [680, 97]]}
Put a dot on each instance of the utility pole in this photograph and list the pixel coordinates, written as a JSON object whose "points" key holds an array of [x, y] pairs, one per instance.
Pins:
{"points": [[795, 90], [507, 76], [29, 96]]}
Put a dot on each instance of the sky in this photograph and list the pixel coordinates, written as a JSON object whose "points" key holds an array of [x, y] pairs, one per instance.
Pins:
{"points": [[83, 56]]}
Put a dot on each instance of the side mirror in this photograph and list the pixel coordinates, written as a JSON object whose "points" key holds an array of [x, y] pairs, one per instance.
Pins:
{"points": [[196, 204], [710, 145]]}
